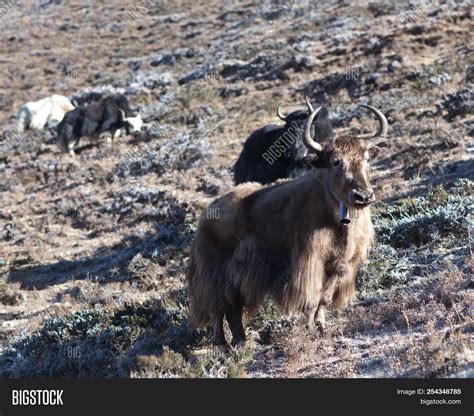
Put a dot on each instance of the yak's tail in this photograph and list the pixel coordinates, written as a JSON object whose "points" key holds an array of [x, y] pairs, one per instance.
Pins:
{"points": [[206, 278], [197, 278], [23, 120]]}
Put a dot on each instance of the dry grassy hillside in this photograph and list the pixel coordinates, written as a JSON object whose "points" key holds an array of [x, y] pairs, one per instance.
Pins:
{"points": [[93, 250]]}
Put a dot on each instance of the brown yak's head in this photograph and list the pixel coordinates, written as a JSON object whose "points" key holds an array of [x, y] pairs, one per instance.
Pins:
{"points": [[347, 160]]}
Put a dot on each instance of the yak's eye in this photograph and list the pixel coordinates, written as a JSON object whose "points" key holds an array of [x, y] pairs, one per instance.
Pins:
{"points": [[336, 162]]}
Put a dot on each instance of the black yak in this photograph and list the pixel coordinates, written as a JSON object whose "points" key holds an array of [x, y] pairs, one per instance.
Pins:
{"points": [[274, 152]]}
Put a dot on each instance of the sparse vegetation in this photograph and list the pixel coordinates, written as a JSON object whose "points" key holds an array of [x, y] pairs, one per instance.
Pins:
{"points": [[93, 252], [417, 234]]}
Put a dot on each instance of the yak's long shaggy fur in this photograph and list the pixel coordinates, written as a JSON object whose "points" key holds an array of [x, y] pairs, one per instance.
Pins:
{"points": [[284, 241]]}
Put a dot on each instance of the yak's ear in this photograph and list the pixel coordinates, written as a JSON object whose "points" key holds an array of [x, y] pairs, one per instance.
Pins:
{"points": [[318, 161], [374, 151]]}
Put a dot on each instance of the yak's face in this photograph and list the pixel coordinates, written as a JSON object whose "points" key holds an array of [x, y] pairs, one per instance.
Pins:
{"points": [[135, 123], [293, 135], [132, 123], [348, 161], [294, 129]]}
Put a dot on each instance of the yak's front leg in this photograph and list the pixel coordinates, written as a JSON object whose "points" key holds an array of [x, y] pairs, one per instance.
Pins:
{"points": [[115, 134], [320, 317], [70, 149], [314, 294], [309, 313], [338, 272]]}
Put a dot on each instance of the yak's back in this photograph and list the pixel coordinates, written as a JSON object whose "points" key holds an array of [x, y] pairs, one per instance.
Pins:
{"points": [[224, 215], [251, 165]]}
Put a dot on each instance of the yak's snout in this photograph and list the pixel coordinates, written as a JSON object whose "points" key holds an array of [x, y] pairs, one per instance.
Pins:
{"points": [[361, 197]]}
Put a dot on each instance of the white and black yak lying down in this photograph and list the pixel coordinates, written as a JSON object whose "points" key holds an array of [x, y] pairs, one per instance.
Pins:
{"points": [[35, 115]]}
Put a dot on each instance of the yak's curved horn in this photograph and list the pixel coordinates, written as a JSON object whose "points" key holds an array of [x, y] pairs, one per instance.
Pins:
{"points": [[383, 124], [308, 103], [280, 114], [123, 116], [307, 139]]}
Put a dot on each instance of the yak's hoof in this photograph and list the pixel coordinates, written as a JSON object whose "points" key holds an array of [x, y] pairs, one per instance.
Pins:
{"points": [[316, 330], [221, 348], [238, 344], [309, 327], [320, 327]]}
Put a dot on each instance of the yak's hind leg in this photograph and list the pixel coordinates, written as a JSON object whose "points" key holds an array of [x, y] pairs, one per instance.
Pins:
{"points": [[218, 337], [234, 318]]}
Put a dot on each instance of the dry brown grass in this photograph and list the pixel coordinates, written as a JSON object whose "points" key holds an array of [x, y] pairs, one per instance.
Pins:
{"points": [[81, 254]]}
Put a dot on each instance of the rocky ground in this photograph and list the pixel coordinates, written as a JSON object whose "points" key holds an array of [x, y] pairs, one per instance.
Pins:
{"points": [[93, 251]]}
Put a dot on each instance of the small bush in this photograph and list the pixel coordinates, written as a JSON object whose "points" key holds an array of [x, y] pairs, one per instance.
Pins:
{"points": [[415, 235]]}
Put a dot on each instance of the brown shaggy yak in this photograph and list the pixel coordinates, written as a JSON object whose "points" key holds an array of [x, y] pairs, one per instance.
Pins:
{"points": [[286, 240]]}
